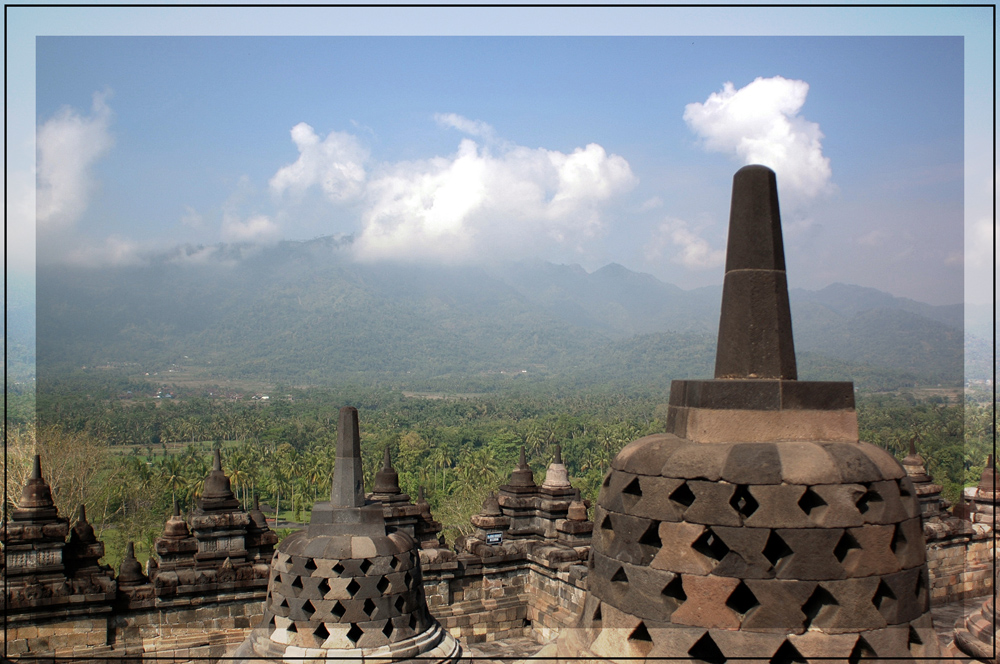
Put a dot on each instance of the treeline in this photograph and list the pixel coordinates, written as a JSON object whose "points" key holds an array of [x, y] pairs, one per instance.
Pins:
{"points": [[128, 458]]}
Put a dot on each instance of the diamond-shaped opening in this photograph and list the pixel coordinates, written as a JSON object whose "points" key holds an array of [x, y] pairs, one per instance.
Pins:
{"points": [[865, 501], [705, 650], [382, 584], [338, 611], [394, 562], [883, 596], [297, 583], [787, 654], [898, 539], [598, 616], [904, 491], [321, 633], [308, 609], [846, 544], [310, 564], [921, 584], [353, 587], [819, 605], [387, 630], [652, 535], [743, 502], [607, 480], [606, 523], [776, 549], [640, 633], [682, 495], [913, 638], [862, 650], [633, 488], [742, 599], [369, 607], [292, 628], [354, 633], [323, 586], [675, 590], [399, 604], [620, 576], [710, 545], [813, 505], [365, 566], [407, 580], [270, 623], [338, 568], [283, 603], [413, 621]]}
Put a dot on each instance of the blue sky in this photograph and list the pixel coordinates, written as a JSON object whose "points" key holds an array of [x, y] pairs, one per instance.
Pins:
{"points": [[470, 149]]}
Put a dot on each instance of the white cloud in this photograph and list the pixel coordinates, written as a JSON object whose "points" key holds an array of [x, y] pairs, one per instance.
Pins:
{"points": [[760, 124], [335, 163], [684, 246], [68, 144], [257, 228], [191, 218], [113, 250], [465, 125], [475, 203]]}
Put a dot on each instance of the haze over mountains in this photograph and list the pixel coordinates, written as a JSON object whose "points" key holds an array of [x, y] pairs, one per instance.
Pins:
{"points": [[302, 312]]}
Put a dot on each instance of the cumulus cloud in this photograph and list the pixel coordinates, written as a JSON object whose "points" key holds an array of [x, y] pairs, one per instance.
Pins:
{"points": [[760, 124], [489, 197], [257, 228], [335, 164], [675, 238], [477, 203], [67, 146]]}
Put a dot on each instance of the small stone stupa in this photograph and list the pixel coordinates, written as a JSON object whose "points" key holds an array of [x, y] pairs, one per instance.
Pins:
{"points": [[345, 587], [759, 526]]}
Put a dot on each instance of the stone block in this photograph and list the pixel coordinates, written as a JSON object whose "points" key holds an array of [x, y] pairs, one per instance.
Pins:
{"points": [[742, 644], [655, 502], [908, 544], [711, 504], [898, 598], [753, 463], [854, 610], [853, 464], [647, 455], [840, 510], [834, 648], [777, 507], [869, 553], [677, 553], [668, 642], [745, 559], [881, 503], [807, 463], [887, 464], [706, 603], [812, 555], [695, 460], [889, 642], [780, 609]]}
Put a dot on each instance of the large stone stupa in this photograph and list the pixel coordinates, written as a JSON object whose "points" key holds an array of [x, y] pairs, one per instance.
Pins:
{"points": [[759, 526], [345, 587]]}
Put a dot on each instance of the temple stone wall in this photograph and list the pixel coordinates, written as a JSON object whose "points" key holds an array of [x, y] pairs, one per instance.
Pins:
{"points": [[960, 562], [555, 598], [71, 637]]}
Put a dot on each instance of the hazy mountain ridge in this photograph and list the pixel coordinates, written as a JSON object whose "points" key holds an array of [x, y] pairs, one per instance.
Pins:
{"points": [[303, 311]]}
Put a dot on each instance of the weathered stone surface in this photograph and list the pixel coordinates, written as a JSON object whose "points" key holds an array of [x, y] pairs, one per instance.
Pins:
{"points": [[908, 544], [647, 455], [881, 504], [873, 554], [745, 559], [807, 463], [841, 510], [753, 463], [655, 502], [854, 465], [743, 644], [711, 505], [677, 553], [706, 603], [889, 468], [898, 599], [696, 460], [854, 610], [778, 507], [823, 646], [812, 554], [780, 607]]}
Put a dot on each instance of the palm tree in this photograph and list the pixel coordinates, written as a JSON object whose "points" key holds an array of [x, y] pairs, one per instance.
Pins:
{"points": [[172, 470]]}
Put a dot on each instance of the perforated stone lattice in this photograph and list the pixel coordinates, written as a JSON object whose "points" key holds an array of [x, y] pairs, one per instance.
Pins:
{"points": [[841, 556], [364, 603]]}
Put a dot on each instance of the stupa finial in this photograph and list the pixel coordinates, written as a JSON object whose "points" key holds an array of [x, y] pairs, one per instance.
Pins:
{"points": [[348, 478]]}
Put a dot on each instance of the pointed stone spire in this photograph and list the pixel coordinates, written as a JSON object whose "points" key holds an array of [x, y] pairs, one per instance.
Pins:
{"points": [[176, 528], [556, 477], [387, 479], [82, 531], [256, 516], [348, 476], [755, 328], [130, 573], [36, 502], [522, 475]]}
